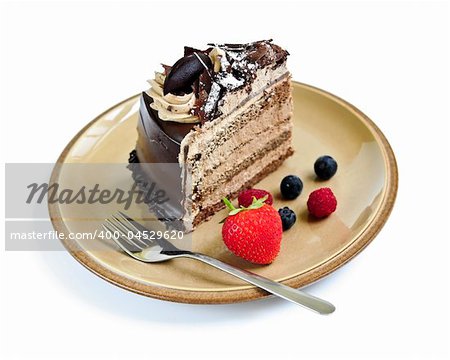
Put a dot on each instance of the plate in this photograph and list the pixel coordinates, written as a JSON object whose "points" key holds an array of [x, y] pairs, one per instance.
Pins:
{"points": [[365, 186]]}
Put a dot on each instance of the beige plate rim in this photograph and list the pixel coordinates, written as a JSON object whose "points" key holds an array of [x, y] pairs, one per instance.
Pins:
{"points": [[232, 296]]}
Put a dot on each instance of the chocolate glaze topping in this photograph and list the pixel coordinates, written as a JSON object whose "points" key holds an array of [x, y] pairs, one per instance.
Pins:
{"points": [[194, 72]]}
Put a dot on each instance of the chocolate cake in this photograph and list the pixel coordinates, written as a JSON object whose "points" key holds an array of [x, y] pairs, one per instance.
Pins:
{"points": [[224, 115]]}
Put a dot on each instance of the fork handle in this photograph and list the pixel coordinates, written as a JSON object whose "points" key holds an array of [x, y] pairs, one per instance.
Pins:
{"points": [[296, 296]]}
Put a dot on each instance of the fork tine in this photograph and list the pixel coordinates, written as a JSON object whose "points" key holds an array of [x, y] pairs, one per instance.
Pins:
{"points": [[137, 236], [131, 227], [126, 218], [124, 234], [160, 241], [119, 241]]}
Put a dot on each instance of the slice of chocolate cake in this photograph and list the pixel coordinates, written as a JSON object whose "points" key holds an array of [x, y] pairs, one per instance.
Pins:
{"points": [[224, 115]]}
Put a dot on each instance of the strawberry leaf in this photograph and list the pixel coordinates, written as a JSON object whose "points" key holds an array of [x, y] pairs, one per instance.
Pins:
{"points": [[256, 204], [228, 204]]}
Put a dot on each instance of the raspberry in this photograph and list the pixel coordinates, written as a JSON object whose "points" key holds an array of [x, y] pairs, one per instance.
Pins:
{"points": [[322, 202], [245, 198]]}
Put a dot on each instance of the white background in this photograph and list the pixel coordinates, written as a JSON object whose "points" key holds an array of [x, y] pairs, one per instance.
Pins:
{"points": [[62, 64]]}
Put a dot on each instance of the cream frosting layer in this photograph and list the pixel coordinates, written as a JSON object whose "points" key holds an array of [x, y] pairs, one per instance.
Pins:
{"points": [[237, 181], [234, 160], [272, 121], [171, 107], [218, 58], [264, 78], [196, 140]]}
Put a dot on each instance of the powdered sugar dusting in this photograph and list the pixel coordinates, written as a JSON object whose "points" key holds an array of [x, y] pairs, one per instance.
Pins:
{"points": [[239, 64], [213, 97], [229, 82]]}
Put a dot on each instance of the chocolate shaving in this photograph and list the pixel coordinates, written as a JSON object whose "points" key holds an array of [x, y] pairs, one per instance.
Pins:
{"points": [[166, 68], [184, 73], [204, 87], [190, 50]]}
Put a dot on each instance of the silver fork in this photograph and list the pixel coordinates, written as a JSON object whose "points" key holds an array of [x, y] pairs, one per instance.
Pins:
{"points": [[148, 251]]}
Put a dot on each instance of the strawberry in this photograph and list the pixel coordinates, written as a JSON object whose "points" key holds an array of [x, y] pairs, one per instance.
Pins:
{"points": [[253, 233], [245, 198]]}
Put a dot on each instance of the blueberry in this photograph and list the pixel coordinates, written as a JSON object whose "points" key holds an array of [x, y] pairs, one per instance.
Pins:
{"points": [[287, 217], [325, 167], [291, 187]]}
